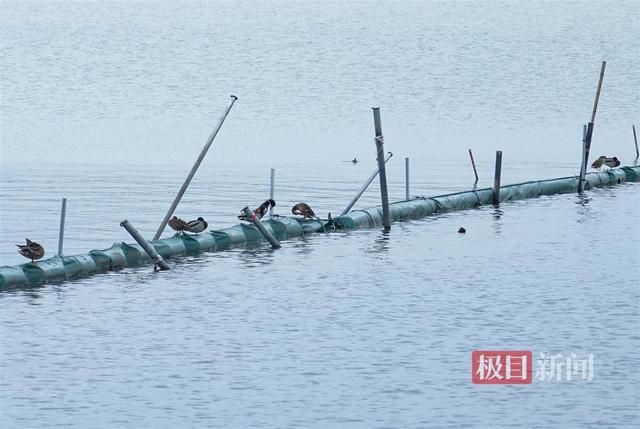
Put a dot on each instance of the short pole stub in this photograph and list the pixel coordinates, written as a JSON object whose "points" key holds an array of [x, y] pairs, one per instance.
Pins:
{"points": [[159, 263], [496, 179], [251, 217]]}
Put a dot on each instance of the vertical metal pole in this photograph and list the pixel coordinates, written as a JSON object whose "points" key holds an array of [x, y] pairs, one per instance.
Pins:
{"points": [[583, 164], [272, 189], [187, 181], [473, 164], [496, 179], [364, 188], [406, 178], [384, 194], [148, 248], [251, 217], [63, 213], [635, 139]]}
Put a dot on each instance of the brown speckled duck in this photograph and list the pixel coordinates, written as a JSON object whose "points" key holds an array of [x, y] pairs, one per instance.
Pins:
{"points": [[303, 209], [178, 225], [31, 250]]}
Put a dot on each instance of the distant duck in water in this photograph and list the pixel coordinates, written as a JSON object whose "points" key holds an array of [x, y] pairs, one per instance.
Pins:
{"points": [[598, 163], [612, 162], [31, 250], [261, 210], [197, 225], [303, 209], [354, 160], [178, 225]]}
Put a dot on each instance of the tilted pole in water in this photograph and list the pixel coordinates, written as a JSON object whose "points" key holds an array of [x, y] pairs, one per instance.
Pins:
{"points": [[496, 179], [272, 189], [186, 183], [149, 250], [473, 164], [384, 194], [355, 199], [406, 178], [63, 213], [251, 217], [593, 114], [583, 164], [635, 139]]}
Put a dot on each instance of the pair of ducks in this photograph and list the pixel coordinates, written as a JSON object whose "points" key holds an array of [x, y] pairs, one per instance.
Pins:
{"points": [[180, 226], [301, 209], [603, 160]]}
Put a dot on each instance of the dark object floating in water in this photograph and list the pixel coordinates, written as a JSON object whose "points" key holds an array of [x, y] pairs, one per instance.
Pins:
{"points": [[261, 210], [31, 250], [354, 160], [461, 230], [304, 210]]}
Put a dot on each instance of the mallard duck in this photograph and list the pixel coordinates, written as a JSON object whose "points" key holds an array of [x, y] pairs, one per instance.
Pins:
{"points": [[177, 224], [304, 210], [261, 210], [598, 163], [31, 250], [612, 162], [197, 225], [354, 160]]}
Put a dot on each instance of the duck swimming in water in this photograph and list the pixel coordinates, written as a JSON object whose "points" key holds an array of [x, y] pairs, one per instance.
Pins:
{"points": [[304, 210], [612, 162], [261, 210], [598, 163], [197, 225], [178, 225], [31, 250]]}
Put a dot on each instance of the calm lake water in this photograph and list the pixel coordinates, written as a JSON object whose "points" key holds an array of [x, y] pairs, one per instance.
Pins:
{"points": [[108, 104]]}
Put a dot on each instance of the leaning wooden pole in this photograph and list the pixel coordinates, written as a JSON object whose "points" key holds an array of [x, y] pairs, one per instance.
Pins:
{"points": [[635, 139], [473, 164], [386, 221], [192, 173], [593, 115]]}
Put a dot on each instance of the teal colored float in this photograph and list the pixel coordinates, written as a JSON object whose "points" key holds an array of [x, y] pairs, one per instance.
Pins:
{"points": [[60, 268]]}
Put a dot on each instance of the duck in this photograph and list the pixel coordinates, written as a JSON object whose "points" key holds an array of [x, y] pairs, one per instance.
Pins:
{"points": [[354, 160], [612, 162], [31, 250], [178, 225], [304, 210], [261, 210], [197, 225], [598, 163]]}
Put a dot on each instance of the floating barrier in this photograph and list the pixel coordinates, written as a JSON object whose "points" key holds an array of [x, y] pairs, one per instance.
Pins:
{"points": [[421, 206], [60, 268]]}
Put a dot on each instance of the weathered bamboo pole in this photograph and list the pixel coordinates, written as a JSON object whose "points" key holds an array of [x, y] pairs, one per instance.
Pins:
{"points": [[593, 114], [187, 181], [583, 163], [148, 248], [251, 217], [496, 179], [63, 213], [384, 194], [355, 199], [473, 164], [635, 139], [406, 178]]}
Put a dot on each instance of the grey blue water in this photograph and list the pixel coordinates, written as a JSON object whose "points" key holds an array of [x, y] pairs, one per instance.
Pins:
{"points": [[108, 103]]}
